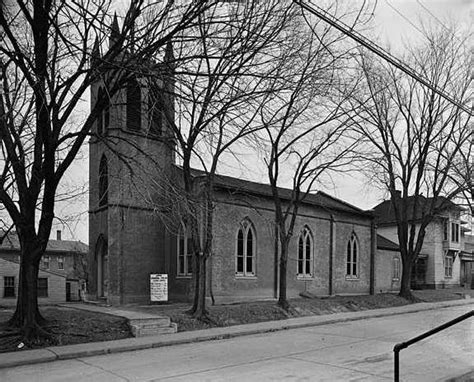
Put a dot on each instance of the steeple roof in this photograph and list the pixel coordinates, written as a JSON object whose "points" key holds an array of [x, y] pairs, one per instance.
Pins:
{"points": [[114, 31]]}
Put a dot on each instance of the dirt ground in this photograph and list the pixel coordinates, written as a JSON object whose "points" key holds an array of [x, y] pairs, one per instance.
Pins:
{"points": [[246, 313], [67, 326], [71, 326]]}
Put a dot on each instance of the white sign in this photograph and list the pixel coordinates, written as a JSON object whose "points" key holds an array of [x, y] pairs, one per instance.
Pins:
{"points": [[158, 287]]}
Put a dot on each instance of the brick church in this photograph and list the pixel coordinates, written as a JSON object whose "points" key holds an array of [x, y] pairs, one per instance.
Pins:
{"points": [[132, 160]]}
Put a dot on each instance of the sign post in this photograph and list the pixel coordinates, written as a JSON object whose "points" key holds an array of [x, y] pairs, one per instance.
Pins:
{"points": [[158, 287]]}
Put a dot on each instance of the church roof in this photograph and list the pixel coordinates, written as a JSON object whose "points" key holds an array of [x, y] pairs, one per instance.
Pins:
{"points": [[319, 198]]}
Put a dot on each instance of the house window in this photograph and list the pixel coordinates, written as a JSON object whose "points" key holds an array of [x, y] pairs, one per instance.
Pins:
{"points": [[60, 262], [455, 232], [445, 229], [352, 257], [134, 101], [185, 253], [396, 268], [305, 250], [9, 286], [42, 289], [448, 266], [245, 251], [103, 181], [46, 260]]}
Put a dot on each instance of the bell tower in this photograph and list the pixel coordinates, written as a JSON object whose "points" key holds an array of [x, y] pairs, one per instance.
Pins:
{"points": [[131, 158]]}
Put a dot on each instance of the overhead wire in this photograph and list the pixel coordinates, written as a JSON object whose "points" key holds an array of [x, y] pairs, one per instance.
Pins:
{"points": [[378, 50], [403, 16]]}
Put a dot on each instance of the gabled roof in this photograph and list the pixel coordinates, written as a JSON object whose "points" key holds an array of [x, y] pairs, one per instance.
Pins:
{"points": [[11, 242], [384, 243], [319, 198], [385, 214], [40, 268]]}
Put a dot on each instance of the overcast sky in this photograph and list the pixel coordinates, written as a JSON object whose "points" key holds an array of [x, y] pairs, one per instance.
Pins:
{"points": [[396, 22]]}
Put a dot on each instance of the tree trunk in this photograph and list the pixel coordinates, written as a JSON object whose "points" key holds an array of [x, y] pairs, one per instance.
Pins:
{"points": [[196, 282], [27, 316], [405, 283], [282, 299], [201, 311]]}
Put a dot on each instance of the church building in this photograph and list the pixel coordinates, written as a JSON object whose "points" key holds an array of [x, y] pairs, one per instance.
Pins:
{"points": [[132, 160]]}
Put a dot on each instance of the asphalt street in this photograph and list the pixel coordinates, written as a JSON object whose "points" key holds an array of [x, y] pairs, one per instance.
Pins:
{"points": [[350, 351]]}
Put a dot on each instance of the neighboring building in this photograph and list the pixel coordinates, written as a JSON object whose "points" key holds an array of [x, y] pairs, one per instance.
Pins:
{"points": [[51, 285], [332, 250], [467, 262], [388, 266], [442, 255], [63, 258]]}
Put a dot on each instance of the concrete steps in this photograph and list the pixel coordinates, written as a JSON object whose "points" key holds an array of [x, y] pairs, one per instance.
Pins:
{"points": [[141, 324], [142, 327]]}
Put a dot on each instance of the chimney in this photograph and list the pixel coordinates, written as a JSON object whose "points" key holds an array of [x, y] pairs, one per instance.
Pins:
{"points": [[58, 235]]}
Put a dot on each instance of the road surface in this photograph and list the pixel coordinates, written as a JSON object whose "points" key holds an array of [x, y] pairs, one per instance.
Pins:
{"points": [[351, 351]]}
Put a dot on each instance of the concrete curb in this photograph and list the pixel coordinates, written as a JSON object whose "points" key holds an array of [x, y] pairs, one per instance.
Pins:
{"points": [[49, 354]]}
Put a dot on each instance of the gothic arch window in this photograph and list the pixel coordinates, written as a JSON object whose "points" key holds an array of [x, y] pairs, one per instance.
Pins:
{"points": [[134, 102], [352, 262], [245, 253], [155, 110], [305, 253], [106, 112], [103, 181], [185, 253], [103, 117]]}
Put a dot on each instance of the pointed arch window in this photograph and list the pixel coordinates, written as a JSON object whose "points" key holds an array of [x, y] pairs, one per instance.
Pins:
{"points": [[103, 117], [305, 253], [103, 181], [185, 253], [352, 263], [134, 102], [245, 249], [155, 110]]}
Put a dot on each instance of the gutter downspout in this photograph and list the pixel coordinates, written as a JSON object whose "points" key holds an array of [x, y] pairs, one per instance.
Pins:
{"points": [[373, 251], [331, 254], [275, 259]]}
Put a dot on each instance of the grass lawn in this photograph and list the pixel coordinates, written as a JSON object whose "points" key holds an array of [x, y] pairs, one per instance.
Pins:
{"points": [[72, 326]]}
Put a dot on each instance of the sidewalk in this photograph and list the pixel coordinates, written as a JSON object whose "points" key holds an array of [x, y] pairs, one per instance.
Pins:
{"points": [[100, 348]]}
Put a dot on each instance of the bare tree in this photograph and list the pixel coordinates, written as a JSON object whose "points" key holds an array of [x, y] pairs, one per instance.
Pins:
{"points": [[223, 70], [414, 139], [304, 123], [46, 67]]}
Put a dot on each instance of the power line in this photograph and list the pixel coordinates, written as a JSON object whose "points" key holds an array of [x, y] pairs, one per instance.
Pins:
{"points": [[378, 50], [403, 16]]}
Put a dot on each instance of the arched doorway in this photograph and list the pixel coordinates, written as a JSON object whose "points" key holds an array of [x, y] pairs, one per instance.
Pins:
{"points": [[102, 256]]}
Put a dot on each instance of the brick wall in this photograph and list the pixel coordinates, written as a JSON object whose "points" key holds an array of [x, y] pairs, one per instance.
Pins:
{"points": [[138, 244], [228, 215]]}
